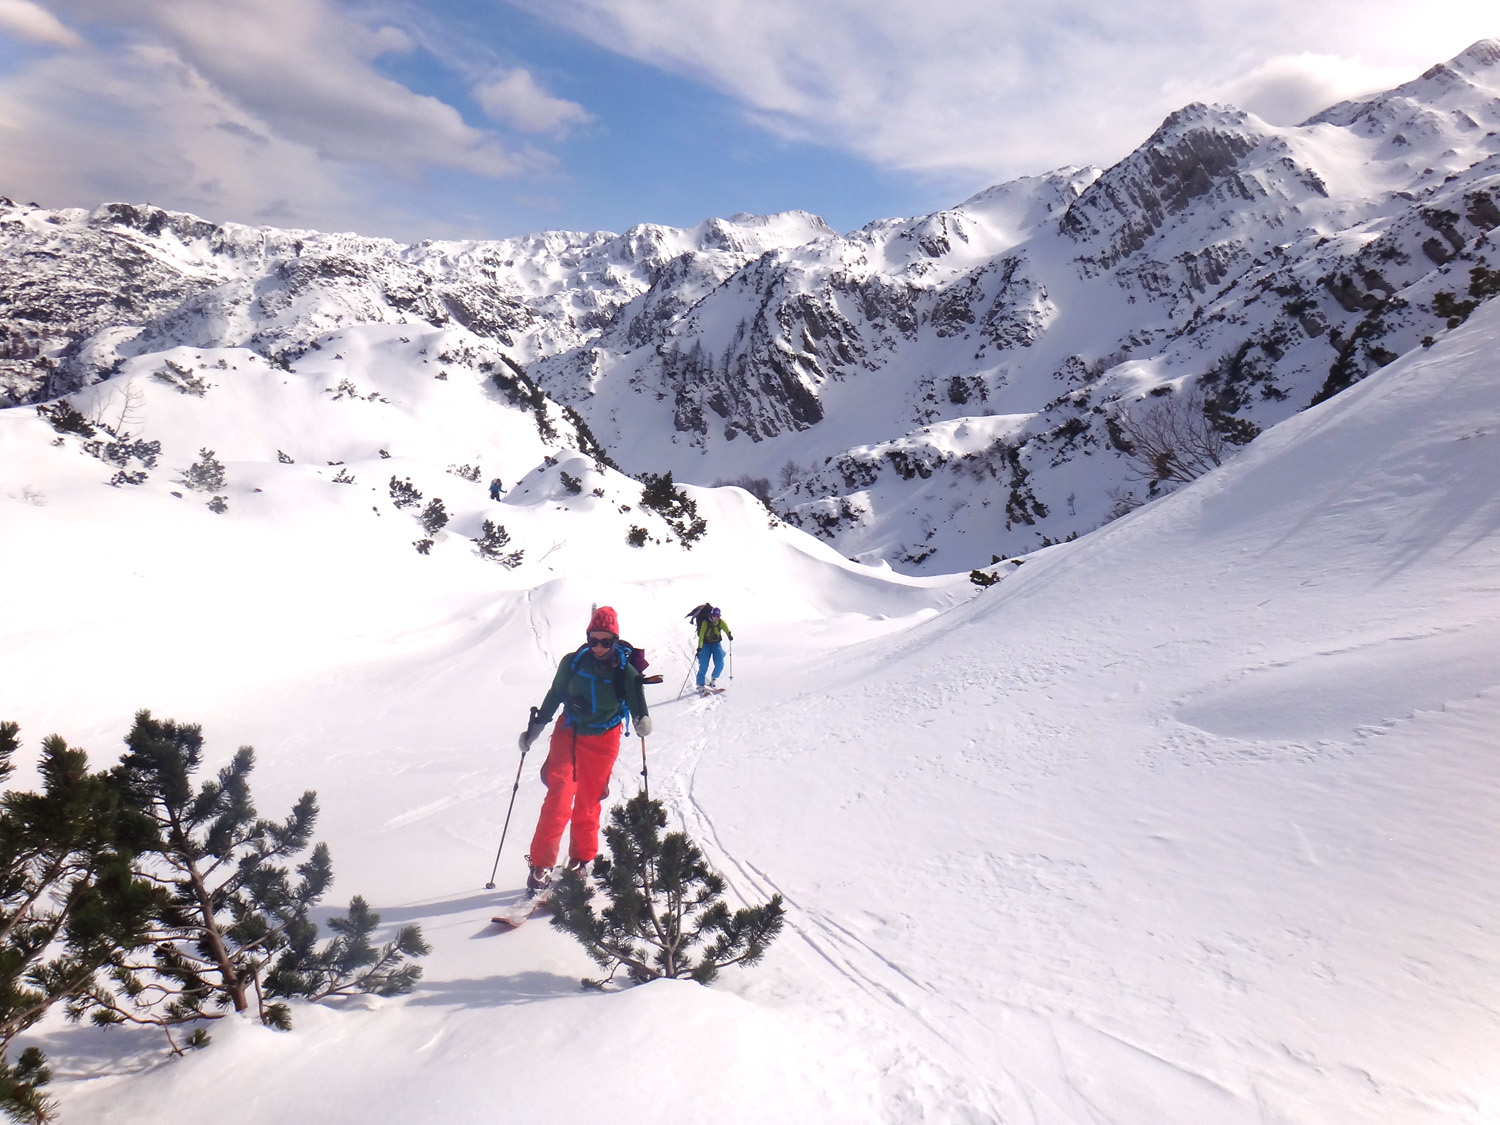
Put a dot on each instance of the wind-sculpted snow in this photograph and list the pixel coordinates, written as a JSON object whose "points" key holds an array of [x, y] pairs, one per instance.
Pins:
{"points": [[1258, 267]]}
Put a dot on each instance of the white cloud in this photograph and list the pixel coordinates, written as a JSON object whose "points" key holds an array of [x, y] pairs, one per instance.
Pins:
{"points": [[146, 128], [35, 24], [515, 99], [986, 88], [1288, 89], [306, 68], [269, 111]]}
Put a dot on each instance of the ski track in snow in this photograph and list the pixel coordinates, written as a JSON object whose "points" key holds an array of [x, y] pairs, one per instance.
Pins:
{"points": [[881, 981], [912, 1013]]}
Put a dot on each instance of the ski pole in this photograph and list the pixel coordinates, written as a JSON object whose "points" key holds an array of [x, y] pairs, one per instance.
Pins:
{"points": [[685, 679], [490, 886], [731, 659], [645, 779]]}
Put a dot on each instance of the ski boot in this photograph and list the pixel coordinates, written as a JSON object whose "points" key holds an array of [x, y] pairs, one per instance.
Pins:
{"points": [[538, 879]]}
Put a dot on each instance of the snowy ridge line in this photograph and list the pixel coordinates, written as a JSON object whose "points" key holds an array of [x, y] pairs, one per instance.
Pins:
{"points": [[931, 391]]}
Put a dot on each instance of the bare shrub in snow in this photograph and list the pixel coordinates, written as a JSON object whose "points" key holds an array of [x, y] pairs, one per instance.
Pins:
{"points": [[1172, 439]]}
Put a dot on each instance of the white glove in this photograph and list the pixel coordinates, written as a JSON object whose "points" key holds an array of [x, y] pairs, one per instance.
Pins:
{"points": [[643, 725], [532, 732]]}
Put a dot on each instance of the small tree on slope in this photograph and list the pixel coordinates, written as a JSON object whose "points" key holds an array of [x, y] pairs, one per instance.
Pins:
{"points": [[231, 898], [665, 916], [226, 903], [69, 902]]}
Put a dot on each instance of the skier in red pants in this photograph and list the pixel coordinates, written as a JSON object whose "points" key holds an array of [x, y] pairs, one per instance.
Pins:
{"points": [[600, 693]]}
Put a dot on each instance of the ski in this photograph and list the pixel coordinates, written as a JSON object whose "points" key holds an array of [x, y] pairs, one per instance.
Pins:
{"points": [[517, 913], [710, 691]]}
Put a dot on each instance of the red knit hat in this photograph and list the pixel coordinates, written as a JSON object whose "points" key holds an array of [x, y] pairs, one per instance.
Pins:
{"points": [[604, 621]]}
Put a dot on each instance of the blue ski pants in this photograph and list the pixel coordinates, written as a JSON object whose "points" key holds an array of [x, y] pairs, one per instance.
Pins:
{"points": [[715, 650]]}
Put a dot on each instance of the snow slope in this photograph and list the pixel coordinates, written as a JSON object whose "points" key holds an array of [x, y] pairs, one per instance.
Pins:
{"points": [[1188, 820]]}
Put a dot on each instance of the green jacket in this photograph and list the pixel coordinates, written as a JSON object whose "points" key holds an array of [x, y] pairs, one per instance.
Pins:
{"points": [[711, 632], [594, 693]]}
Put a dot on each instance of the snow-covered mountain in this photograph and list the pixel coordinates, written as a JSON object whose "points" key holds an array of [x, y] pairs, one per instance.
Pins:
{"points": [[933, 392], [1191, 820]]}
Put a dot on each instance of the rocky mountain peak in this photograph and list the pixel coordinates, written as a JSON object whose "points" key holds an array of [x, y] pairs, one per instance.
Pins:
{"points": [[1196, 150], [1480, 59]]}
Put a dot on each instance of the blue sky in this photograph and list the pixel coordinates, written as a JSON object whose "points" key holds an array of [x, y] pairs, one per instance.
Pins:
{"points": [[661, 148], [492, 118]]}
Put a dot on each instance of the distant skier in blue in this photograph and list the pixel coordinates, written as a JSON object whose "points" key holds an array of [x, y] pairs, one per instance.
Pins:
{"points": [[495, 489], [712, 629]]}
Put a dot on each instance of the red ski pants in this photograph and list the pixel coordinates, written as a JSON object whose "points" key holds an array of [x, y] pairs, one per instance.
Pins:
{"points": [[576, 774]]}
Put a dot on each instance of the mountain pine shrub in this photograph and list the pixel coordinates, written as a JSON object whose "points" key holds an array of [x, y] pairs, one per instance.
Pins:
{"points": [[230, 896], [665, 916], [492, 541], [434, 517], [348, 963], [65, 418], [71, 903], [519, 390], [404, 494], [660, 495], [206, 474]]}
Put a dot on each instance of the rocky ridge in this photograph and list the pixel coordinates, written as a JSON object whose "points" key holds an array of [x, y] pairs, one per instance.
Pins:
{"points": [[934, 391]]}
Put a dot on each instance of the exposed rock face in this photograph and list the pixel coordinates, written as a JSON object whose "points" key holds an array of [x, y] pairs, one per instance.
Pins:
{"points": [[932, 391], [1198, 151]]}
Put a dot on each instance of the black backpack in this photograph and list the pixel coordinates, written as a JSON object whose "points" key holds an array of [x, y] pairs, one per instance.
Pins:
{"points": [[699, 614]]}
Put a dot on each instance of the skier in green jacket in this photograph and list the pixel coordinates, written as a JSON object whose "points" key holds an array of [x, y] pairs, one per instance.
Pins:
{"points": [[711, 633]]}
